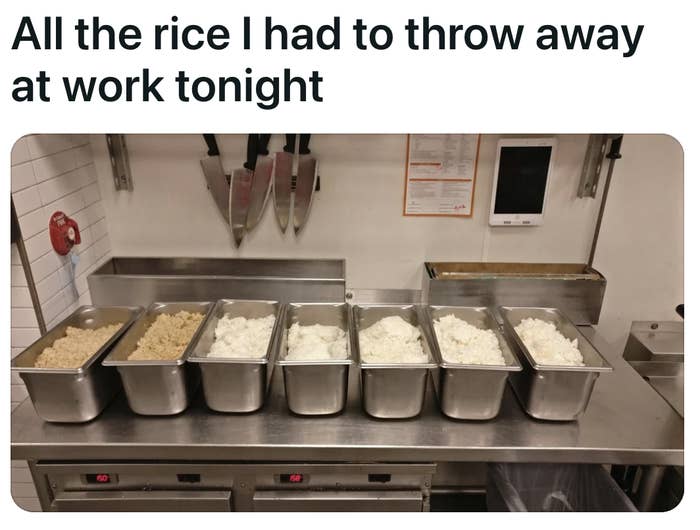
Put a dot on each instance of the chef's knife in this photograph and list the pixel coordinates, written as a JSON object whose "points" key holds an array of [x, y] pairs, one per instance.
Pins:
{"points": [[262, 182], [239, 197], [215, 176], [282, 181], [307, 175]]}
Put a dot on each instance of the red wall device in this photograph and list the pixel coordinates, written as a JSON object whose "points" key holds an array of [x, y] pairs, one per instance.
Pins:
{"points": [[64, 233]]}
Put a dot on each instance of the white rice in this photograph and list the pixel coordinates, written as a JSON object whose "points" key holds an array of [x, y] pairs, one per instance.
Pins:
{"points": [[547, 345], [462, 343], [391, 340], [242, 338], [316, 343]]}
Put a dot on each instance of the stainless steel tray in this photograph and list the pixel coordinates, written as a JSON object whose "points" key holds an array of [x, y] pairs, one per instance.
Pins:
{"points": [[232, 384], [391, 391], [470, 391], [157, 387], [575, 288], [74, 394], [144, 280], [316, 387], [550, 392]]}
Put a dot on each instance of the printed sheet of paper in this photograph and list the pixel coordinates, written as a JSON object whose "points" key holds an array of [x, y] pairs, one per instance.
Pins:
{"points": [[440, 174]]}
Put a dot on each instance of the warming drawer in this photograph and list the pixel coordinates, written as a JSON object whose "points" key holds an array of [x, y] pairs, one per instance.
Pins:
{"points": [[229, 486], [143, 501], [338, 501]]}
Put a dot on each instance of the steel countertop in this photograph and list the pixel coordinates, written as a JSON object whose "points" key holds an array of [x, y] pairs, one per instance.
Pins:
{"points": [[626, 422]]}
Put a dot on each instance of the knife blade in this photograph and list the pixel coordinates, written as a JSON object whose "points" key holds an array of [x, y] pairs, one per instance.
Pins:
{"points": [[262, 183], [239, 200], [239, 196], [307, 175], [282, 182], [215, 176]]}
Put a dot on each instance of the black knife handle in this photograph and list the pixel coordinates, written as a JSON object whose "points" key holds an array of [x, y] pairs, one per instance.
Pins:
{"points": [[252, 152], [291, 142], [263, 141], [213, 149], [614, 153], [304, 144]]}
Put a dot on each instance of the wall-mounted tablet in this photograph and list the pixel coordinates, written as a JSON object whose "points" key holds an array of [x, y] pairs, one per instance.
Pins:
{"points": [[521, 179]]}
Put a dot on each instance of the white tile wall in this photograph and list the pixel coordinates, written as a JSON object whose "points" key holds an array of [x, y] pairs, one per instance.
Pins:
{"points": [[24, 330], [19, 297], [26, 200], [22, 487], [23, 317], [17, 278], [50, 173], [20, 153], [22, 176]]}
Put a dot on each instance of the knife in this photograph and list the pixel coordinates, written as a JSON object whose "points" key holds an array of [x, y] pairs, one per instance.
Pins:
{"points": [[262, 183], [239, 196], [307, 175], [282, 181], [214, 174]]}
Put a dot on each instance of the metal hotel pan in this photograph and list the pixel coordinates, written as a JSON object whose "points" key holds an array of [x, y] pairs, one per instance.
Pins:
{"points": [[157, 387], [470, 391], [233, 384], [392, 390], [551, 392], [74, 394], [315, 387]]}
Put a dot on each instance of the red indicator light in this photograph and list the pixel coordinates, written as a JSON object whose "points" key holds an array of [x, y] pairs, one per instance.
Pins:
{"points": [[100, 478], [291, 478]]}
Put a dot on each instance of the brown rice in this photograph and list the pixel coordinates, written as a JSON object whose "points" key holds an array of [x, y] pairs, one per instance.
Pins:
{"points": [[76, 347], [167, 338]]}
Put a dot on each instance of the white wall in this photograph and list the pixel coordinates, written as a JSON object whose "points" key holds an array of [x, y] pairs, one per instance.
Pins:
{"points": [[356, 215], [640, 248], [50, 173]]}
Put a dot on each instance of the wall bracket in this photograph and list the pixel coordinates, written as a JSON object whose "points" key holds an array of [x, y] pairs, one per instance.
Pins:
{"points": [[592, 165], [119, 158]]}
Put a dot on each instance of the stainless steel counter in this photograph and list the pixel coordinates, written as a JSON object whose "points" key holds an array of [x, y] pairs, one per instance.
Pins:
{"points": [[627, 422]]}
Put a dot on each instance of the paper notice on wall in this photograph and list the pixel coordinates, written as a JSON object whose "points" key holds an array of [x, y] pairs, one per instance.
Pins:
{"points": [[440, 174]]}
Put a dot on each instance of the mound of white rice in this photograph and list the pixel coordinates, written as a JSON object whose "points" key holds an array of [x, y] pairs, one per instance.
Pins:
{"points": [[391, 340], [242, 338], [316, 343], [547, 345], [460, 342]]}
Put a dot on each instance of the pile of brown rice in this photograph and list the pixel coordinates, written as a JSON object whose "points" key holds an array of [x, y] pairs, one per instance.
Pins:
{"points": [[76, 347], [167, 338]]}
